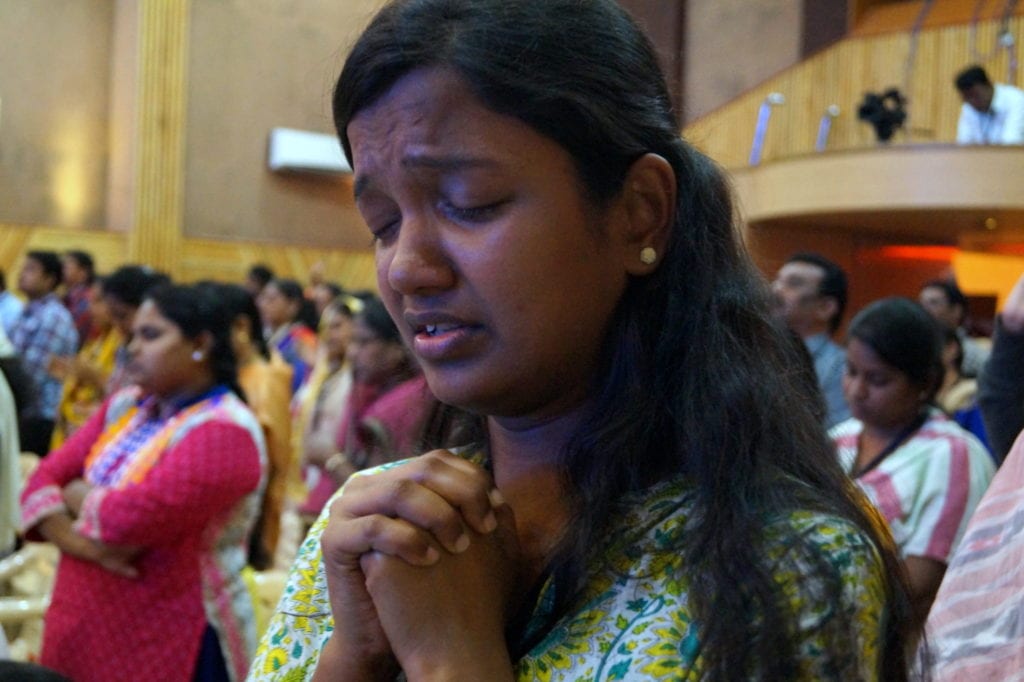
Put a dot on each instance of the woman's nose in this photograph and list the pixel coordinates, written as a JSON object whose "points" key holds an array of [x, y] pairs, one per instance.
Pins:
{"points": [[855, 387], [417, 261]]}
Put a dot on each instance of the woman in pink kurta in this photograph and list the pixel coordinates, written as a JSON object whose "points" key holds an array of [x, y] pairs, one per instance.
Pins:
{"points": [[151, 503]]}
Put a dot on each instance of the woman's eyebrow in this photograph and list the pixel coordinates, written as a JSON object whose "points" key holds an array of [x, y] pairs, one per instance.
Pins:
{"points": [[444, 163], [447, 162]]}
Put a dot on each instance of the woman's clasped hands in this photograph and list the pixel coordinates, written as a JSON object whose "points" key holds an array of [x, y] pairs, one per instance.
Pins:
{"points": [[422, 565]]}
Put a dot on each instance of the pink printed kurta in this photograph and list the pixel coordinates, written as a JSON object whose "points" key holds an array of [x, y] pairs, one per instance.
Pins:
{"points": [[191, 513], [974, 628]]}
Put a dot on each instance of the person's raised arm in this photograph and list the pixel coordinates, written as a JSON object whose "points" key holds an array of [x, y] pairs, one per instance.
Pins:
{"points": [[1001, 384]]}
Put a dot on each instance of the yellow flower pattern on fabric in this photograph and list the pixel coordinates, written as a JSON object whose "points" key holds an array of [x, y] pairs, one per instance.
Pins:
{"points": [[633, 620]]}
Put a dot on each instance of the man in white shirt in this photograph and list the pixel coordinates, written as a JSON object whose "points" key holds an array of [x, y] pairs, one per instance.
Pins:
{"points": [[991, 113]]}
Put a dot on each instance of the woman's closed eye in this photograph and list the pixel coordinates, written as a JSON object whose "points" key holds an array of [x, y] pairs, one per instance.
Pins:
{"points": [[471, 214], [878, 380], [384, 230], [148, 333]]}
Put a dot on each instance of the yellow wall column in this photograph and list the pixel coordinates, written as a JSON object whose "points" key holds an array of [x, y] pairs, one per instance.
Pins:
{"points": [[155, 237]]}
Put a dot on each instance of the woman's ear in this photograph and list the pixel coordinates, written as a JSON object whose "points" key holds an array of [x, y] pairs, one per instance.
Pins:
{"points": [[204, 344], [648, 205]]}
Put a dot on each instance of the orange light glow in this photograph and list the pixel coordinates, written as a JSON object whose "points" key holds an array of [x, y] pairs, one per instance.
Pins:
{"points": [[939, 254]]}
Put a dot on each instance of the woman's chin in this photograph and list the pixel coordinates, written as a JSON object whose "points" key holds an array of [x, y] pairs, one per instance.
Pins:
{"points": [[860, 415], [460, 395]]}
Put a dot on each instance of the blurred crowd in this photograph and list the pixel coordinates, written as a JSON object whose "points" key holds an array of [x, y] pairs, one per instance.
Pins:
{"points": [[920, 412], [121, 378]]}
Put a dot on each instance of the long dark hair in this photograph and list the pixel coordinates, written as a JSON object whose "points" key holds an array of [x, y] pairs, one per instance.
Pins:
{"points": [[697, 379], [195, 309], [375, 316], [292, 290], [130, 283], [237, 303]]}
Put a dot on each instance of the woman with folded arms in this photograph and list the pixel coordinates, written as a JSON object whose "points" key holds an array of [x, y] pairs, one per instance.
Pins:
{"points": [[151, 503]]}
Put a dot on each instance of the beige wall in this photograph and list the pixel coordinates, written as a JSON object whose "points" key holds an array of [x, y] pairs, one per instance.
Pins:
{"points": [[54, 87], [67, 87], [255, 65], [732, 45]]}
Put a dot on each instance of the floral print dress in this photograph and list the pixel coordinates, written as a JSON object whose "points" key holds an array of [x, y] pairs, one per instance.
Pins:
{"points": [[633, 619]]}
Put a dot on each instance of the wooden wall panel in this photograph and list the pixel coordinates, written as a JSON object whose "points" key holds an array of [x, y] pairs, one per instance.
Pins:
{"points": [[155, 237], [199, 259], [842, 75], [205, 259], [107, 248], [873, 17]]}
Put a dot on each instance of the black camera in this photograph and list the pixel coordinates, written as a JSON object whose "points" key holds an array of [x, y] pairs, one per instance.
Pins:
{"points": [[886, 112]]}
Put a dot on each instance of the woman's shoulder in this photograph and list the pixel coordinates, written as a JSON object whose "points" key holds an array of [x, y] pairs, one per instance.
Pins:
{"points": [[845, 436], [673, 504], [636, 618], [224, 409], [800, 545], [943, 439], [832, 578], [845, 430], [803, 542]]}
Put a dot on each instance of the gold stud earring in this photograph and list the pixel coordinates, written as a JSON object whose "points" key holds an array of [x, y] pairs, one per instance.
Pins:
{"points": [[648, 255]]}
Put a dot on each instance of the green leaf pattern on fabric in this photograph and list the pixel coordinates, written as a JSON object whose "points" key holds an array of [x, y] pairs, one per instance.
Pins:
{"points": [[634, 620]]}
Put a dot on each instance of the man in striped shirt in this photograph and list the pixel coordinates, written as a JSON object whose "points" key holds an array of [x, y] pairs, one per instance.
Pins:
{"points": [[44, 329]]}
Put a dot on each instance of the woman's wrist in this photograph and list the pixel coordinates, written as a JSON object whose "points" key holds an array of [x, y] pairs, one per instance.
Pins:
{"points": [[338, 664], [468, 671], [469, 663], [58, 529], [74, 494]]}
